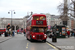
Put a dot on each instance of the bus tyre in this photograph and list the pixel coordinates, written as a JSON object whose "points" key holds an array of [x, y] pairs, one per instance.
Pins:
{"points": [[44, 40], [27, 39], [31, 39]]}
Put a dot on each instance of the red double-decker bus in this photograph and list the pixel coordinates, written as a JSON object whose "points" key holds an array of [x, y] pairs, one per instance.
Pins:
{"points": [[36, 27]]}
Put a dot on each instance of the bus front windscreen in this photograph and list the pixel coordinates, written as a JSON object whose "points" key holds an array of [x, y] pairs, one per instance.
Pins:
{"points": [[38, 29]]}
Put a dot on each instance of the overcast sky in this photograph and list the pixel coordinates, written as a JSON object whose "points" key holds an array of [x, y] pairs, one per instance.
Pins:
{"points": [[21, 7]]}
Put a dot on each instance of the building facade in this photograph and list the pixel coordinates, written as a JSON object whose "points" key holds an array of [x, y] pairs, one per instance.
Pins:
{"points": [[21, 22], [15, 22], [55, 20], [48, 18]]}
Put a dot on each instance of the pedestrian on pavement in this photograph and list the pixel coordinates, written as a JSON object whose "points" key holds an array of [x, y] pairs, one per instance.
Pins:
{"points": [[74, 33], [50, 36], [24, 32], [6, 33], [0, 33], [57, 32], [10, 32], [68, 33], [13, 32]]}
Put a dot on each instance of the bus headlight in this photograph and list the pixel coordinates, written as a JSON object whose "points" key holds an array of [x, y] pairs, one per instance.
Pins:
{"points": [[33, 36], [44, 36]]}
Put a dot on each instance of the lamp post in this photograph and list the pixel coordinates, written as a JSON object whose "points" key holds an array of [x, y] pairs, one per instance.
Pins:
{"points": [[2, 22], [29, 12], [11, 12]]}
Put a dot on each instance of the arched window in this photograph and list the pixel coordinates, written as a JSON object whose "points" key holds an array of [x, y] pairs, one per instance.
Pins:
{"points": [[17, 27]]}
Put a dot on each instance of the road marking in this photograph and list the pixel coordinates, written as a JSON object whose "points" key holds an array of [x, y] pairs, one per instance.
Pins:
{"points": [[52, 46], [27, 45]]}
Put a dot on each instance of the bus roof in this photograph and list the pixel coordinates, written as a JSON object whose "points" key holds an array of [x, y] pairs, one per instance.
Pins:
{"points": [[35, 15], [38, 15]]}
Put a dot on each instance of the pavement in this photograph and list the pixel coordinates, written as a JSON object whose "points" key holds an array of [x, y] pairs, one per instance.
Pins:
{"points": [[3, 39], [63, 43]]}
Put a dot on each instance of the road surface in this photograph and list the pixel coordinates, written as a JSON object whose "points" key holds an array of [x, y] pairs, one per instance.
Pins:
{"points": [[19, 42]]}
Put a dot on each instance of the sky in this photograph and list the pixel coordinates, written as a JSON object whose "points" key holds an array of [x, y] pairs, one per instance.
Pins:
{"points": [[24, 7]]}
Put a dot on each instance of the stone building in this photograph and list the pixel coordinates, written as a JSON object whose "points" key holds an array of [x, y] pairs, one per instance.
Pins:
{"points": [[55, 20], [48, 18], [71, 23], [15, 22]]}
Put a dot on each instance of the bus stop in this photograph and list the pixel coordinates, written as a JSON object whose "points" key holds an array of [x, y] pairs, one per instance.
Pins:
{"points": [[60, 31]]}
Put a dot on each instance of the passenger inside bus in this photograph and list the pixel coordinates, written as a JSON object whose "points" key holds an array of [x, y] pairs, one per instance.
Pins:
{"points": [[36, 18], [42, 18]]}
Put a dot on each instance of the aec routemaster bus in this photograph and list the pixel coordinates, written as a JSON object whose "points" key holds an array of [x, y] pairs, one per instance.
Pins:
{"points": [[36, 27]]}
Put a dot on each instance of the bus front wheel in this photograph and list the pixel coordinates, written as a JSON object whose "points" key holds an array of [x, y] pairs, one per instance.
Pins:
{"points": [[44, 40], [27, 38], [31, 39]]}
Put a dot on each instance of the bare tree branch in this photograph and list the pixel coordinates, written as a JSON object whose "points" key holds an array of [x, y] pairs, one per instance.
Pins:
{"points": [[70, 14], [73, 1], [71, 9]]}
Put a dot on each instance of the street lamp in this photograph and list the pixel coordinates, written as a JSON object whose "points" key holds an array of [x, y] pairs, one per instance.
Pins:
{"points": [[11, 12], [29, 12], [2, 22]]}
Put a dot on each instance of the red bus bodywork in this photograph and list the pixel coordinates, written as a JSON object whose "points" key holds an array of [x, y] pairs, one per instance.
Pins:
{"points": [[36, 27]]}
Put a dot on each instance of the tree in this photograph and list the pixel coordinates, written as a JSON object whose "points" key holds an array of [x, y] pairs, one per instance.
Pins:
{"points": [[72, 8], [63, 9]]}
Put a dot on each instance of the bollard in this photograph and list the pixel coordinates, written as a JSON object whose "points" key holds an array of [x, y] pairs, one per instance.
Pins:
{"points": [[54, 39]]}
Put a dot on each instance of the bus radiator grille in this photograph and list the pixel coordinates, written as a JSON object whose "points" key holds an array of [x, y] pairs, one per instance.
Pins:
{"points": [[39, 37]]}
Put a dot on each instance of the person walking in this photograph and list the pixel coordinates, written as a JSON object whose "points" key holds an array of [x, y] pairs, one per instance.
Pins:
{"points": [[74, 33], [13, 33], [68, 33], [24, 32], [0, 33], [6, 33]]}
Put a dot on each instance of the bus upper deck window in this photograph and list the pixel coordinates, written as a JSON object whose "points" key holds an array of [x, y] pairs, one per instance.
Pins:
{"points": [[42, 18], [36, 18]]}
